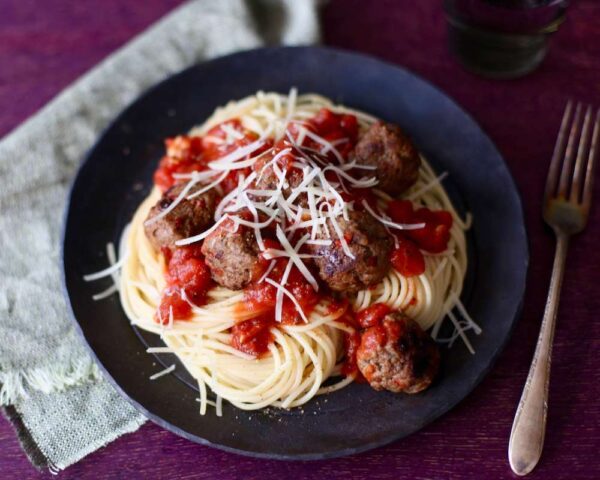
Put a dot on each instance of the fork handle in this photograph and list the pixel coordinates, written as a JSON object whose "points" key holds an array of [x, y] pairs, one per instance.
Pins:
{"points": [[529, 427]]}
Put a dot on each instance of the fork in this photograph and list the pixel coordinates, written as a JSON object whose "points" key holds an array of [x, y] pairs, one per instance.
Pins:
{"points": [[567, 201]]}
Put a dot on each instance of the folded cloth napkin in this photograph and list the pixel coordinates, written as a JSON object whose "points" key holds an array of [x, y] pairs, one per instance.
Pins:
{"points": [[50, 388]]}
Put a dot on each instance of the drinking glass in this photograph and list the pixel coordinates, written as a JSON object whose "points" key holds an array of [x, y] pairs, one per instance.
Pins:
{"points": [[502, 38]]}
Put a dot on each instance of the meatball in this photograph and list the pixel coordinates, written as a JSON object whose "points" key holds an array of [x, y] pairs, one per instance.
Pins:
{"points": [[188, 218], [233, 256], [388, 148], [398, 355], [370, 244], [267, 179]]}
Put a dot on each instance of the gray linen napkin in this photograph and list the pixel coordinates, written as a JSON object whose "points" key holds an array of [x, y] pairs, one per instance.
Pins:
{"points": [[50, 388]]}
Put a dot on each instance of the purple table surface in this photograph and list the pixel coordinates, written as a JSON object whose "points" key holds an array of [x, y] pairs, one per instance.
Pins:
{"points": [[46, 44]]}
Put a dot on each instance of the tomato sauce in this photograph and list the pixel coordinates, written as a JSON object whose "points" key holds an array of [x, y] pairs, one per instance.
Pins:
{"points": [[338, 128], [253, 336], [372, 315], [377, 336], [335, 126], [433, 237], [261, 298], [185, 154], [369, 317], [186, 272], [351, 346], [407, 259], [214, 148]]}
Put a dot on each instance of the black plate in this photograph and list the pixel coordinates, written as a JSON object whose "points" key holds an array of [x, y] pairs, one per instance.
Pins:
{"points": [[116, 176]]}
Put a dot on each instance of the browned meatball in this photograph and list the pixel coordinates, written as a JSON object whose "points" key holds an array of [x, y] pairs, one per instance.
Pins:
{"points": [[388, 148], [398, 355], [233, 256], [267, 179], [370, 244], [189, 217]]}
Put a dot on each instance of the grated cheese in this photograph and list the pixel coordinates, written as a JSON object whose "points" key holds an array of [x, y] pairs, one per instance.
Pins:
{"points": [[267, 271], [105, 293], [208, 187], [295, 257], [290, 106], [388, 222], [104, 273], [326, 144], [166, 371], [461, 332], [160, 350], [193, 181], [286, 292], [319, 242], [171, 319], [279, 295], [463, 311], [237, 154], [203, 235], [232, 133], [112, 271], [340, 235]]}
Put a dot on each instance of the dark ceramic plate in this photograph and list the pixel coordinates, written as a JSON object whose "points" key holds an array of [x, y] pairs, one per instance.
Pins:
{"points": [[116, 176]]}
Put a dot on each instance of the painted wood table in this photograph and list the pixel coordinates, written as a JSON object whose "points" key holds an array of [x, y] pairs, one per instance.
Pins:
{"points": [[46, 44]]}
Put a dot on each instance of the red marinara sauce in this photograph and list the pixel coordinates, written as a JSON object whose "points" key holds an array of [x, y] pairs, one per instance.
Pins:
{"points": [[185, 154], [336, 126], [186, 272], [368, 317], [215, 148], [341, 128], [372, 315], [433, 237], [351, 346], [253, 336]]}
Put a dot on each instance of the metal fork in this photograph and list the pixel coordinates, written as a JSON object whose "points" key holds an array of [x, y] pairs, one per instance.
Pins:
{"points": [[567, 201]]}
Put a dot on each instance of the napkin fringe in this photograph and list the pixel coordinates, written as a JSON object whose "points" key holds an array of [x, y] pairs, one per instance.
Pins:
{"points": [[47, 379]]}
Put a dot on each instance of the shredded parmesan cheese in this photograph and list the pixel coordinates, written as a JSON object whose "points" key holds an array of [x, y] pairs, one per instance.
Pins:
{"points": [[388, 222], [105, 293], [285, 291], [104, 273], [203, 235], [194, 180], [237, 154], [162, 373], [295, 257]]}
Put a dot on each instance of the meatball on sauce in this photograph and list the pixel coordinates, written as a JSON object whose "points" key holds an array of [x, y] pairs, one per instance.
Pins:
{"points": [[397, 355]]}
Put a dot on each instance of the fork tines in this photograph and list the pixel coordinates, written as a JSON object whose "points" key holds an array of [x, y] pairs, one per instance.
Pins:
{"points": [[565, 181]]}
